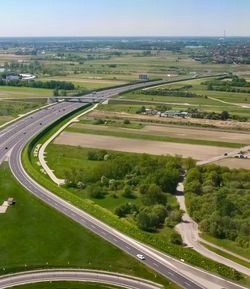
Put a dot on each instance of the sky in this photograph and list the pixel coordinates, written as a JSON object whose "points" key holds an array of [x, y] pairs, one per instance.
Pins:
{"points": [[124, 17]]}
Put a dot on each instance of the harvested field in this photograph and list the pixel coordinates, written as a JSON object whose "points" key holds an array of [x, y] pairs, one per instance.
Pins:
{"points": [[198, 152], [180, 132], [234, 163], [197, 133]]}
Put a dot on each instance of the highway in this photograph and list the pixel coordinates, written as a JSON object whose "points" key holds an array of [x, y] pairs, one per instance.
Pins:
{"points": [[14, 138], [91, 276]]}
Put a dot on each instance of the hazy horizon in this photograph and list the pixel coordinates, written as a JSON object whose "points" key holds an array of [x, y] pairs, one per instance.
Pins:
{"points": [[125, 18]]}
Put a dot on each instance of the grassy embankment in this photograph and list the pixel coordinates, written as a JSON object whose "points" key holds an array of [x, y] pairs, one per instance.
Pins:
{"points": [[48, 239], [227, 255], [188, 255], [227, 244]]}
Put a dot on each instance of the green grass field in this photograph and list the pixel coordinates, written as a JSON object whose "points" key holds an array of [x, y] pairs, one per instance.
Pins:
{"points": [[10, 109], [229, 245], [36, 236], [202, 102], [66, 285], [228, 256], [200, 89], [116, 105], [87, 83], [4, 119], [23, 92]]}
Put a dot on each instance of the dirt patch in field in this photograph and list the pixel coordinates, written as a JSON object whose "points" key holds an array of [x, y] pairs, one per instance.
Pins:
{"points": [[198, 152], [149, 118], [235, 163]]}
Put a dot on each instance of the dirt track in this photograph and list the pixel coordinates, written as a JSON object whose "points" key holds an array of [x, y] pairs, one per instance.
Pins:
{"points": [[198, 152]]}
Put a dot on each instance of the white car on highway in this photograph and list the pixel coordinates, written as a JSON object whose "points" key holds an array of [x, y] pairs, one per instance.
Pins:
{"points": [[140, 256]]}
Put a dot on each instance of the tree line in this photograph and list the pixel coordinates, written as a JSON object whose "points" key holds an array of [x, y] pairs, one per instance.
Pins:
{"points": [[219, 200], [51, 84]]}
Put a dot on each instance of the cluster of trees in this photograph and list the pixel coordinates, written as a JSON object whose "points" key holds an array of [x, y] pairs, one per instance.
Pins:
{"points": [[33, 67], [234, 85], [219, 200], [170, 92], [160, 108], [224, 115], [52, 84], [239, 81], [146, 178]]}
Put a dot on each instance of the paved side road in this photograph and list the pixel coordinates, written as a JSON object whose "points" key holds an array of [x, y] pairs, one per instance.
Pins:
{"points": [[115, 279]]}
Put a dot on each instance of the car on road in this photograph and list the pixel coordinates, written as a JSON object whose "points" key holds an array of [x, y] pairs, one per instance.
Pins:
{"points": [[140, 256]]}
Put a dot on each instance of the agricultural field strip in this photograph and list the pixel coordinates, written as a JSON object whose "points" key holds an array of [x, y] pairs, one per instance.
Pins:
{"points": [[200, 152], [176, 132]]}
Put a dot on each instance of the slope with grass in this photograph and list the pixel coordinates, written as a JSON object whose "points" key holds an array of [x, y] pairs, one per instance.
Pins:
{"points": [[47, 239]]}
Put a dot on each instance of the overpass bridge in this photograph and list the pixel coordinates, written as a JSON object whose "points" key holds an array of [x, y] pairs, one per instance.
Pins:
{"points": [[80, 99]]}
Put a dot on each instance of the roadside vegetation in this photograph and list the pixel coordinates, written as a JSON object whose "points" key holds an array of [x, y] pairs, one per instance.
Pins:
{"points": [[11, 109]]}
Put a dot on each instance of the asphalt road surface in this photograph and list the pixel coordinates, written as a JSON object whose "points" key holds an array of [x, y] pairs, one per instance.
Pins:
{"points": [[76, 275], [12, 141]]}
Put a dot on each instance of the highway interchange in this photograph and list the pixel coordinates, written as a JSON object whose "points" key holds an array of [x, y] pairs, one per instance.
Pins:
{"points": [[13, 140]]}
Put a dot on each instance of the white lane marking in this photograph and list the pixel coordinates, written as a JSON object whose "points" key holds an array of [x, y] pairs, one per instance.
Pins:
{"points": [[170, 273], [187, 284], [115, 239], [156, 264], [128, 248]]}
